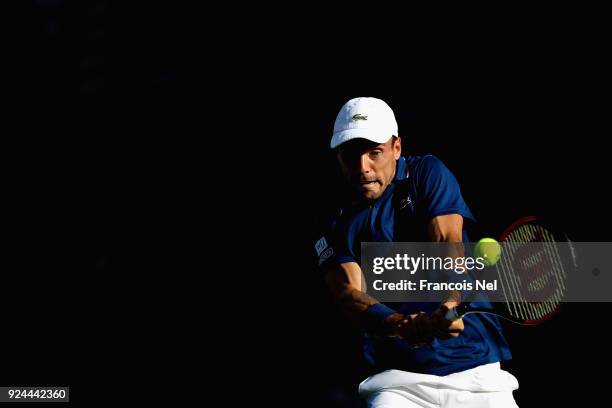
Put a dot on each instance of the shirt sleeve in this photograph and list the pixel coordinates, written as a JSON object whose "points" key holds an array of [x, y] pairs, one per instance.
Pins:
{"points": [[333, 242], [440, 190], [322, 232]]}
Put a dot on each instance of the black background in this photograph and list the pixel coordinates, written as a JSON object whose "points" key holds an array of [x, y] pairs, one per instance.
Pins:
{"points": [[188, 143]]}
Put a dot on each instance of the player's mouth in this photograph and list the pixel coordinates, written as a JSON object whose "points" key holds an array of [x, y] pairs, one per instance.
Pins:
{"points": [[368, 184]]}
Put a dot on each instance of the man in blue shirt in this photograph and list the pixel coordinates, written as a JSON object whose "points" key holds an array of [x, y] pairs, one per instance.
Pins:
{"points": [[423, 359]]}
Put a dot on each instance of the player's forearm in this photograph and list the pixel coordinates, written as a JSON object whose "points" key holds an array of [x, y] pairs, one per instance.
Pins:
{"points": [[365, 312], [345, 282], [355, 305]]}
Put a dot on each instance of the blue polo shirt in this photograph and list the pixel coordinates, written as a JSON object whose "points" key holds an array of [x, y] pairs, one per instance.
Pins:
{"points": [[423, 188]]}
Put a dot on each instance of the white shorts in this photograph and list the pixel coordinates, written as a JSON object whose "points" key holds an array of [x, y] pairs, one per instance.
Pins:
{"points": [[484, 386]]}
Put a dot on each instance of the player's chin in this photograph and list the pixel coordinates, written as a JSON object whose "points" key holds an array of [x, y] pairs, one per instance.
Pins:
{"points": [[372, 192], [369, 195]]}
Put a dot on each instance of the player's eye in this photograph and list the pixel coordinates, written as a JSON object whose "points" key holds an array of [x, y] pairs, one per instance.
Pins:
{"points": [[375, 153]]}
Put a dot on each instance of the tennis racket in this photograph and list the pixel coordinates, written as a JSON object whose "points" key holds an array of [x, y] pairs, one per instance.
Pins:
{"points": [[535, 262]]}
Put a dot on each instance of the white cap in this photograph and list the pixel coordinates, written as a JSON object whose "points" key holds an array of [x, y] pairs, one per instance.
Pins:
{"points": [[364, 118]]}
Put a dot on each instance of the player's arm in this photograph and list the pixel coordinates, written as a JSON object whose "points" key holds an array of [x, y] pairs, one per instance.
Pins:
{"points": [[449, 228], [345, 282], [446, 228]]}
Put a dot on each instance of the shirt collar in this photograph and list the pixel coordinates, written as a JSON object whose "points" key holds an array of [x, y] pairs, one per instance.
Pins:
{"points": [[400, 169]]}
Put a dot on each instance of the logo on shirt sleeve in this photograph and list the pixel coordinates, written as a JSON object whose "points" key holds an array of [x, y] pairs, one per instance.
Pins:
{"points": [[320, 245], [325, 255]]}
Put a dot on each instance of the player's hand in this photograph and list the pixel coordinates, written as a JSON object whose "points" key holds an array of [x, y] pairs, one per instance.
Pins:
{"points": [[420, 329], [454, 328]]}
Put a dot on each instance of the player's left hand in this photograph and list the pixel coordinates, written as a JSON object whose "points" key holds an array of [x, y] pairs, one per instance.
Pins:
{"points": [[446, 328], [456, 327]]}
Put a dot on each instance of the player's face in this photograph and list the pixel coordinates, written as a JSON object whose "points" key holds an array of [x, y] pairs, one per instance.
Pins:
{"points": [[369, 167]]}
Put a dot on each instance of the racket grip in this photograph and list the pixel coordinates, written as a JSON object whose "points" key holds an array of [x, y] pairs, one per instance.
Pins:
{"points": [[452, 314]]}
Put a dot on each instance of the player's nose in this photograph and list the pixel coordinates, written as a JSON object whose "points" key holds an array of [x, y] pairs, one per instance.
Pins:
{"points": [[364, 164]]}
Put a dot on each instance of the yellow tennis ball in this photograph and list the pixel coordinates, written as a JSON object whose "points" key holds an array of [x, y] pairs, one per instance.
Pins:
{"points": [[489, 250]]}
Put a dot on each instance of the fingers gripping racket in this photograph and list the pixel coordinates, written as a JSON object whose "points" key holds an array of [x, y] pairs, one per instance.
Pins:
{"points": [[535, 262]]}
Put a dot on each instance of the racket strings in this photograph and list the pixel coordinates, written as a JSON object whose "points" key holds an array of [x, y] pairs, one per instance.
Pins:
{"points": [[514, 287]]}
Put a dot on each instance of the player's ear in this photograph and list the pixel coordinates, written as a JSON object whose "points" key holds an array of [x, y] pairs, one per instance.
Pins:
{"points": [[338, 156], [397, 147]]}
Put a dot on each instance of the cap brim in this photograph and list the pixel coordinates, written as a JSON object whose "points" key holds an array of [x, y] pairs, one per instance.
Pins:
{"points": [[349, 134]]}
